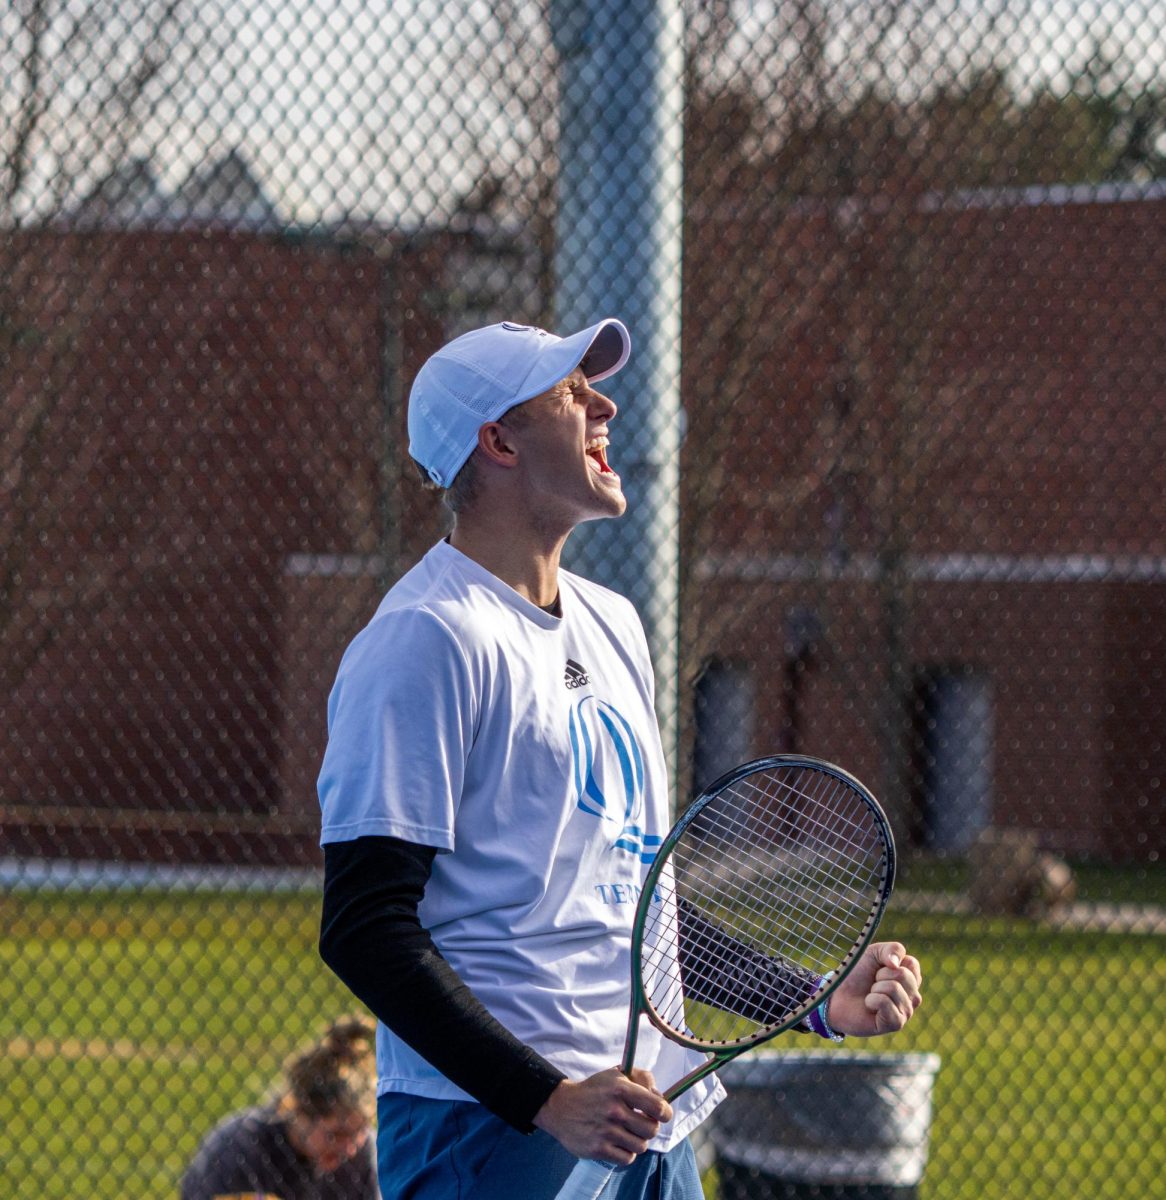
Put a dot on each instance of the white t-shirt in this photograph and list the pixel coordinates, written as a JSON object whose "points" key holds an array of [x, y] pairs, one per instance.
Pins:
{"points": [[526, 748]]}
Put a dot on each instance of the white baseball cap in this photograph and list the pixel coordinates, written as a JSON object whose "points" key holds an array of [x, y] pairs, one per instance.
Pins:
{"points": [[480, 375]]}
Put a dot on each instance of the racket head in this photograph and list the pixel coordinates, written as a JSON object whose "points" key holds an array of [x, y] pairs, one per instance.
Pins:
{"points": [[791, 856]]}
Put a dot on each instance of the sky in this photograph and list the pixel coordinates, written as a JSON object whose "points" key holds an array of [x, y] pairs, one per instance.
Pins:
{"points": [[391, 109]]}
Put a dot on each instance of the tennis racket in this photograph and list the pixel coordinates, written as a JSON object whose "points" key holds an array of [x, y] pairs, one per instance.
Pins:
{"points": [[759, 902]]}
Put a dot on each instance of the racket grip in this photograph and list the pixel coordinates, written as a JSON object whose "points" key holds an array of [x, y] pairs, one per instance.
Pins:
{"points": [[586, 1181]]}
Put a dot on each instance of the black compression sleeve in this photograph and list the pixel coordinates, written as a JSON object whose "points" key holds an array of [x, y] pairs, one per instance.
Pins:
{"points": [[725, 972], [371, 937]]}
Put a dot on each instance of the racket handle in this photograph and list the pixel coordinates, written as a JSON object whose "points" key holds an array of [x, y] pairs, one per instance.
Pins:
{"points": [[588, 1178]]}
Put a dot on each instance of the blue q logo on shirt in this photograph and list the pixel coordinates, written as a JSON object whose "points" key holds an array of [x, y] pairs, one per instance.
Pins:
{"points": [[609, 774]]}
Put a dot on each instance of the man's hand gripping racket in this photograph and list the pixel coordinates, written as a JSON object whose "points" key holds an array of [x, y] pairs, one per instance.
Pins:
{"points": [[761, 899]]}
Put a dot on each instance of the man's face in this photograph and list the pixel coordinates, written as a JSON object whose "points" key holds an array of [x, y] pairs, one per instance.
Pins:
{"points": [[561, 437]]}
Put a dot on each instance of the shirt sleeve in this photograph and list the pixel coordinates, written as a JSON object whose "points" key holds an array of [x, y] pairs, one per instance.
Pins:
{"points": [[232, 1158], [401, 719], [372, 938]]}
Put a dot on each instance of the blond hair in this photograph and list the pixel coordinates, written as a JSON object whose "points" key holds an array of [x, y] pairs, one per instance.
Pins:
{"points": [[337, 1074]]}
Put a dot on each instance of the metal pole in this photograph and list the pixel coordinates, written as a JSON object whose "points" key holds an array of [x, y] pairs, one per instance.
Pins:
{"points": [[618, 254]]}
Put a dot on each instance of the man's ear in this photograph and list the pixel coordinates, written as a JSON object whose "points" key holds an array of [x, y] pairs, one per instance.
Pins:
{"points": [[496, 445]]}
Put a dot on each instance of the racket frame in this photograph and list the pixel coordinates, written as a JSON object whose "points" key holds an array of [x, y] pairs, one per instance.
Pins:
{"points": [[641, 1004]]}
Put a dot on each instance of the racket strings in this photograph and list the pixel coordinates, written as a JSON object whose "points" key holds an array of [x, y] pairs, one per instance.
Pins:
{"points": [[818, 825], [832, 833], [797, 879], [770, 887]]}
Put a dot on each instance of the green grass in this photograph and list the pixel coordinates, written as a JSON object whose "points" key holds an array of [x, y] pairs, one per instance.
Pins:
{"points": [[1052, 1047], [1096, 882], [129, 1024]]}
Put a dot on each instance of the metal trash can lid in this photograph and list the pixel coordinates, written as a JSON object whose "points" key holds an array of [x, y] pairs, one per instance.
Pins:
{"points": [[828, 1117]]}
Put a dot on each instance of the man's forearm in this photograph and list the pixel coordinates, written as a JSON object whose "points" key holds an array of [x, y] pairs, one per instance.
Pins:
{"points": [[371, 937], [725, 972]]}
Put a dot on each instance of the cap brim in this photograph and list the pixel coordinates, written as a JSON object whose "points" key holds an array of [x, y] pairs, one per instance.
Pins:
{"points": [[605, 348], [599, 350]]}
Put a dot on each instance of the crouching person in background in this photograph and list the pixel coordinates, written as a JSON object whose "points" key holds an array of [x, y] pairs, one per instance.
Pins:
{"points": [[313, 1141]]}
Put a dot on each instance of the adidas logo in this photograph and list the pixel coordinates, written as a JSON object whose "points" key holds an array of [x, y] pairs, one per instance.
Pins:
{"points": [[575, 676]]}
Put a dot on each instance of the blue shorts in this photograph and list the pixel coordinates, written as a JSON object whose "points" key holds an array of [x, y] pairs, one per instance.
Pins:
{"points": [[458, 1150]]}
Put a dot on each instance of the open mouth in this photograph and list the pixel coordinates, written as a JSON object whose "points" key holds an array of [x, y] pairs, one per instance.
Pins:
{"points": [[597, 456]]}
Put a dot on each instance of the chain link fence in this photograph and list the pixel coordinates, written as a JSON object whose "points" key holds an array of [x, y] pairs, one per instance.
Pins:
{"points": [[916, 521]]}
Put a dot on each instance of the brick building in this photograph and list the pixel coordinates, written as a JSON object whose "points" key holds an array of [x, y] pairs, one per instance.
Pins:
{"points": [[940, 479], [945, 531]]}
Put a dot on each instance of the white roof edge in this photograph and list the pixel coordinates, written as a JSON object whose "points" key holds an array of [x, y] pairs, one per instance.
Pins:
{"points": [[1056, 195]]}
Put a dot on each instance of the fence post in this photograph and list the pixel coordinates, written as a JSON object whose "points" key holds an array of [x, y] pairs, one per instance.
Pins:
{"points": [[618, 254]]}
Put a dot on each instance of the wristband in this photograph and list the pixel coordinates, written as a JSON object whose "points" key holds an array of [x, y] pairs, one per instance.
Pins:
{"points": [[818, 1020]]}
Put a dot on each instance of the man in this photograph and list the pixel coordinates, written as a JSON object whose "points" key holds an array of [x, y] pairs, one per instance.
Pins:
{"points": [[481, 835]]}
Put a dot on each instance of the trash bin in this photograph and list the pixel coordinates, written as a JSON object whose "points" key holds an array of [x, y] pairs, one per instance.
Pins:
{"points": [[823, 1126]]}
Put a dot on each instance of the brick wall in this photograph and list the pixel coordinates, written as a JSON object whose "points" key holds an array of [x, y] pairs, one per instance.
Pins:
{"points": [[995, 438]]}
